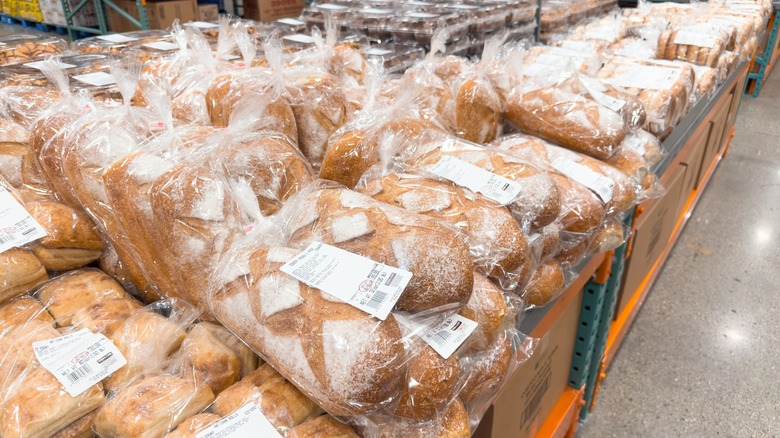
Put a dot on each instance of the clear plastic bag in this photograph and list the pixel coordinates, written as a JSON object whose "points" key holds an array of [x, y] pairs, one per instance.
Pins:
{"points": [[18, 48]]}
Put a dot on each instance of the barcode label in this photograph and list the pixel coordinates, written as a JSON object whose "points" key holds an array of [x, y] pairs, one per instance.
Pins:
{"points": [[97, 79], [245, 422], [117, 38], [444, 337], [368, 285], [17, 227], [79, 360], [492, 186], [163, 46], [79, 374], [536, 399], [596, 182]]}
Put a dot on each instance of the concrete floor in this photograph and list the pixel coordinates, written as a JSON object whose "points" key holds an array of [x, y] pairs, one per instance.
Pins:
{"points": [[703, 356]]}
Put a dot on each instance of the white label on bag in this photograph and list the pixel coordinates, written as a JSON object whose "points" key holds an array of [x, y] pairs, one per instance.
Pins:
{"points": [[378, 52], [370, 286], [695, 39], [376, 11], [595, 89], [464, 7], [299, 38], [646, 77], [332, 7], [38, 64], [203, 25], [546, 64], [17, 227], [291, 21], [80, 360], [635, 143], [597, 183], [117, 38], [421, 15], [97, 79], [492, 186], [245, 422], [444, 337], [164, 46]]}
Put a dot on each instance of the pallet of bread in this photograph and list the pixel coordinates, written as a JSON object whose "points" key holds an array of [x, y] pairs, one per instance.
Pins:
{"points": [[292, 238]]}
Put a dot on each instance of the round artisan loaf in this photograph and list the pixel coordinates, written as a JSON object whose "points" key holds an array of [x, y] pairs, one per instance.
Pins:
{"points": [[21, 272], [488, 308], [478, 111], [438, 256], [546, 283], [538, 202], [567, 119], [353, 149], [63, 296], [497, 243], [431, 382], [453, 423], [347, 361], [487, 370]]}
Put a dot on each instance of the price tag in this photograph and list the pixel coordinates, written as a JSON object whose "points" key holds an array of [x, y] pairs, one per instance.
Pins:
{"points": [[246, 422], [695, 39], [421, 15], [492, 186], [79, 360], [299, 38], [597, 183], [331, 6], [164, 46], [39, 64], [646, 77], [444, 337], [117, 38], [291, 21], [98, 79], [17, 227], [376, 11], [596, 90], [203, 25], [378, 52], [370, 286]]}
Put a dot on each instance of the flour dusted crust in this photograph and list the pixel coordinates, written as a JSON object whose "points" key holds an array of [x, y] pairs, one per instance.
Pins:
{"points": [[346, 360], [488, 309], [431, 382], [497, 242]]}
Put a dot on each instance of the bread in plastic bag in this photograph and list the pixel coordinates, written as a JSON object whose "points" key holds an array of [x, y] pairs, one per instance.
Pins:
{"points": [[190, 427], [66, 294], [325, 426], [21, 272]]}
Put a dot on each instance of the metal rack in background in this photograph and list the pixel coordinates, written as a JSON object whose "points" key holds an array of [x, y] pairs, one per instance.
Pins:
{"points": [[766, 61], [101, 10]]}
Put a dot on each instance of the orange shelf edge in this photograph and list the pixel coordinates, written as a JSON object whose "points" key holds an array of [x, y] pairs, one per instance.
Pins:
{"points": [[562, 421], [620, 326]]}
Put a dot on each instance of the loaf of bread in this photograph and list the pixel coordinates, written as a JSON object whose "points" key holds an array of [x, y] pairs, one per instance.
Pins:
{"points": [[488, 370], [20, 311], [632, 162], [24, 105], [537, 202], [34, 402], [488, 308], [81, 428], [610, 96], [323, 426], [13, 148], [47, 141], [345, 360], [453, 423], [364, 142], [281, 403], [662, 87], [498, 245], [568, 119], [105, 316], [20, 272], [696, 43], [320, 107], [430, 383], [71, 241], [226, 90], [390, 235], [151, 406], [63, 296], [546, 284]]}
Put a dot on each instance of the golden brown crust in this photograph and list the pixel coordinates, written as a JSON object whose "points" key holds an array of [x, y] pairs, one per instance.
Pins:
{"points": [[22, 310], [323, 426], [190, 427], [81, 428], [477, 111], [546, 283], [488, 370], [63, 296], [488, 308], [430, 383], [208, 360], [105, 316], [151, 406], [20, 272]]}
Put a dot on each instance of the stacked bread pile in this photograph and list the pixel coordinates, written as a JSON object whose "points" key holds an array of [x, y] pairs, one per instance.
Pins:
{"points": [[212, 177]]}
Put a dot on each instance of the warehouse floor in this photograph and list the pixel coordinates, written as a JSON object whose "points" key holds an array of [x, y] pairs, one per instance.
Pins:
{"points": [[702, 358]]}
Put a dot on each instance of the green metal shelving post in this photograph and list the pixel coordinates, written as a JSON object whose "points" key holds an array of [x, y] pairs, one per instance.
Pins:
{"points": [[764, 60], [101, 9]]}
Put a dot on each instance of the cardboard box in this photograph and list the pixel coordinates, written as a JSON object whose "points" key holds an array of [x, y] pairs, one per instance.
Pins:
{"points": [[653, 230], [208, 12], [693, 156], [529, 396], [719, 117], [160, 14], [271, 10]]}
